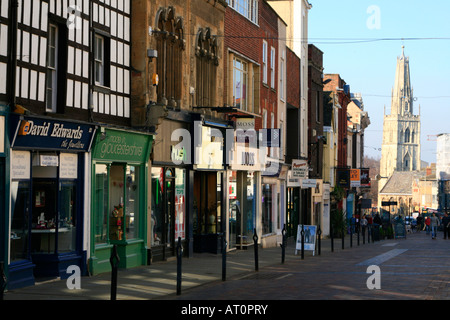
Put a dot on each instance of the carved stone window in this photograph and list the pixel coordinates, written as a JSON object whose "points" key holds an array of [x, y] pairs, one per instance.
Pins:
{"points": [[207, 61], [169, 34]]}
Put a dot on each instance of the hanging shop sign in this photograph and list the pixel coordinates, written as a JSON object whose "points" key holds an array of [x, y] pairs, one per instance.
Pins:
{"points": [[308, 183], [44, 133], [119, 145], [355, 178], [300, 169], [365, 178], [343, 178], [209, 149]]}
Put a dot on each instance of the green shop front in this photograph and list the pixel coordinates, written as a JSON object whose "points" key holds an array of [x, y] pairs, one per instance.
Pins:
{"points": [[119, 198]]}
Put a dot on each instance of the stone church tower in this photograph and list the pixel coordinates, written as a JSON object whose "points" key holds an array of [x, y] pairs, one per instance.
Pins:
{"points": [[401, 128]]}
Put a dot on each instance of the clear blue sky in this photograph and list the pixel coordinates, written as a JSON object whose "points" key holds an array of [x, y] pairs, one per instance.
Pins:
{"points": [[369, 67]]}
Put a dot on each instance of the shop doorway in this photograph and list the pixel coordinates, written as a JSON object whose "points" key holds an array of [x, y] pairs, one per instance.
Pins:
{"points": [[163, 213], [292, 211], [207, 211]]}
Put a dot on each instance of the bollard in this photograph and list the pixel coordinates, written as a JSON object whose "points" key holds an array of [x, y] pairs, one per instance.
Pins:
{"points": [[3, 280], [283, 245], [351, 237], [179, 259], [369, 232], [114, 261], [319, 233], [359, 229], [332, 237], [255, 243], [303, 242], [224, 257], [364, 234], [342, 236]]}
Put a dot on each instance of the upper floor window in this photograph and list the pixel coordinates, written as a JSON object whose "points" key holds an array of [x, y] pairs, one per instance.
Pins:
{"points": [[52, 63], [101, 60], [248, 8], [272, 67], [170, 44], [207, 61], [56, 67], [245, 84], [264, 61], [240, 84]]}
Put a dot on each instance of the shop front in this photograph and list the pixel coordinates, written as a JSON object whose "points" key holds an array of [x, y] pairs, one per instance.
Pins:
{"points": [[209, 192], [119, 198], [169, 189], [4, 184], [243, 178], [48, 162]]}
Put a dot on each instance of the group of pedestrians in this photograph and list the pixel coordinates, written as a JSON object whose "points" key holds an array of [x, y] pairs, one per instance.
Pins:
{"points": [[433, 222]]}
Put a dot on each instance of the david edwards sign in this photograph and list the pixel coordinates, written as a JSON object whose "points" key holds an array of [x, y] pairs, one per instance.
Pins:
{"points": [[40, 133]]}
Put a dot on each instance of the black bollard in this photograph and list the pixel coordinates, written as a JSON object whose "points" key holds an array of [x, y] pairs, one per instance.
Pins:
{"points": [[332, 237], [114, 261], [319, 233], [3, 280], [255, 244], [283, 245], [369, 232], [364, 234], [303, 242], [224, 257], [359, 228], [342, 236], [351, 236], [179, 259]]}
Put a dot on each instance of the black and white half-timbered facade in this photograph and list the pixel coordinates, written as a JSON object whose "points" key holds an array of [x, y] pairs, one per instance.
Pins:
{"points": [[67, 141]]}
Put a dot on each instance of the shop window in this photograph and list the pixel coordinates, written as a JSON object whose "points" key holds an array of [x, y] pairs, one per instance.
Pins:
{"points": [[242, 207], [67, 216], [20, 208], [267, 207], [157, 214], [133, 202], [116, 192], [101, 204]]}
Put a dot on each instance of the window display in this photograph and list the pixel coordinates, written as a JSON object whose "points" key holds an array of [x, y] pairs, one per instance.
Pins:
{"points": [[20, 208]]}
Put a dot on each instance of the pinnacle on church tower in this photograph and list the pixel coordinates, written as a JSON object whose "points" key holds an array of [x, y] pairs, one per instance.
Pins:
{"points": [[402, 92], [401, 128]]}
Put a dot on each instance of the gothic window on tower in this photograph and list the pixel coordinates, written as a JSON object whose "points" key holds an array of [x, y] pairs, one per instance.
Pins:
{"points": [[407, 136], [413, 137], [170, 45], [407, 162]]}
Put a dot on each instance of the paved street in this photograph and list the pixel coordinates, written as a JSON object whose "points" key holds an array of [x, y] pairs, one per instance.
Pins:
{"points": [[416, 268]]}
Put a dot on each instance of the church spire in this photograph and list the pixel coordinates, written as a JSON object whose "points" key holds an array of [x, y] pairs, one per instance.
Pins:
{"points": [[402, 99]]}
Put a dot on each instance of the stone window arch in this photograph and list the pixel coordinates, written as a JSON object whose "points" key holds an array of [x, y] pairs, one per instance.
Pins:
{"points": [[207, 60], [407, 135], [170, 44]]}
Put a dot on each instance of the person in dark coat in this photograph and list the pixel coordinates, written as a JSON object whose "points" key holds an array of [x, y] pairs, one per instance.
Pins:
{"points": [[446, 225]]}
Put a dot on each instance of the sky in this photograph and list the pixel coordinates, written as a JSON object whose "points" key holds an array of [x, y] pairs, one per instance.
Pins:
{"points": [[349, 32]]}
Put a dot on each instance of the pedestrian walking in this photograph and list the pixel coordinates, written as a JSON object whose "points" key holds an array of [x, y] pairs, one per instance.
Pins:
{"points": [[434, 223], [363, 225], [419, 223], [446, 225], [427, 224]]}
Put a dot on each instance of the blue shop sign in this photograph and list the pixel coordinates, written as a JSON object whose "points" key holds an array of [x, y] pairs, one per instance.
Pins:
{"points": [[40, 133]]}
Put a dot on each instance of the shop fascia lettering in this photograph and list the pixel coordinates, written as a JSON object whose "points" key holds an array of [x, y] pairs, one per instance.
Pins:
{"points": [[117, 145], [209, 141], [28, 128]]}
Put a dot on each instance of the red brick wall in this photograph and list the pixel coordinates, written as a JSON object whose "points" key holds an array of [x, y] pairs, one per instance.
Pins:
{"points": [[246, 38], [293, 78]]}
